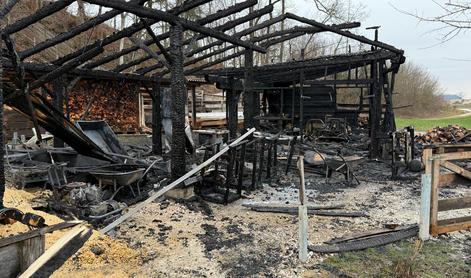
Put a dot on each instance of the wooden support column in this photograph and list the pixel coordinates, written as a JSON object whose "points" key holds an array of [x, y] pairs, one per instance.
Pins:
{"points": [[59, 91], [156, 119], [248, 92], [193, 107], [375, 111], [2, 148], [179, 94], [232, 101]]}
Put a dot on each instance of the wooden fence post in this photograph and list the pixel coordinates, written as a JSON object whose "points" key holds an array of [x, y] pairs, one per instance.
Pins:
{"points": [[302, 212], [424, 222]]}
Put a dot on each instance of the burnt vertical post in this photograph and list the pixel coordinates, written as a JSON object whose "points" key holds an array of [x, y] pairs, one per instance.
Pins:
{"points": [[179, 93], [193, 106], [59, 91], [375, 111], [301, 98], [249, 96], [2, 147], [232, 100], [156, 119]]}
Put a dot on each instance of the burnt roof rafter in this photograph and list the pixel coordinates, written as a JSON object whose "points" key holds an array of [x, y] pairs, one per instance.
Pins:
{"points": [[128, 31], [172, 19], [224, 27], [5, 9], [209, 19], [74, 31]]}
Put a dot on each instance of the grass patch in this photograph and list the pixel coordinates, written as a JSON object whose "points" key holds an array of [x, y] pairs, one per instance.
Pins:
{"points": [[434, 259], [426, 124]]}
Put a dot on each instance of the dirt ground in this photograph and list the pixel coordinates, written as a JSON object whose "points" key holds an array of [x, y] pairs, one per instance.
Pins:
{"points": [[199, 239]]}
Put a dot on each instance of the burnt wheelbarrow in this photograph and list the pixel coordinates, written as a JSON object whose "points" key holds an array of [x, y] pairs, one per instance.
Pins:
{"points": [[120, 175]]}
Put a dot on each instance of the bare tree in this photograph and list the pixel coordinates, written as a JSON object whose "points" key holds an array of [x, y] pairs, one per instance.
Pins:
{"points": [[455, 17]]}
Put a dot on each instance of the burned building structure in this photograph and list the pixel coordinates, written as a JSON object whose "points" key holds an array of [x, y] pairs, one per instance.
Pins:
{"points": [[289, 94]]}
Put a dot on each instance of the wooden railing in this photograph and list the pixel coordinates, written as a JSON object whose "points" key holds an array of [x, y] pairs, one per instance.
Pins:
{"points": [[435, 158]]}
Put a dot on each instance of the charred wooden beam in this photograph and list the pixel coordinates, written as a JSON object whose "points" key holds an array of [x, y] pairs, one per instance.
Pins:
{"points": [[5, 9], [179, 93], [59, 91], [172, 19], [156, 119], [266, 44], [291, 33], [126, 32], [159, 45], [339, 82], [345, 33], [149, 51], [74, 31], [375, 111], [65, 68], [232, 101], [40, 14], [84, 73], [249, 95], [203, 21], [332, 63]]}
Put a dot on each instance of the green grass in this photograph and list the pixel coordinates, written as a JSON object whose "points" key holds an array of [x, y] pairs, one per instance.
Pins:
{"points": [[426, 124], [435, 259]]}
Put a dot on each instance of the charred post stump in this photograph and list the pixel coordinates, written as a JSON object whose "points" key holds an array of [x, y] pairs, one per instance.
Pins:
{"points": [[179, 93], [156, 119], [59, 92], [249, 96]]}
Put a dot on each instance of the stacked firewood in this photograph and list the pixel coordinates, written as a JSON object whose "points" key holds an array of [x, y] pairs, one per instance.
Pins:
{"points": [[117, 106], [444, 135]]}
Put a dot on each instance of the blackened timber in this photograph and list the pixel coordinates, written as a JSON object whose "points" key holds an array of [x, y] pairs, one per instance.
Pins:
{"points": [[241, 33], [126, 32], [339, 82], [132, 63], [156, 119], [5, 9], [179, 94], [186, 6], [320, 62], [159, 45], [172, 19], [265, 44], [38, 15], [65, 68], [292, 33], [149, 51], [74, 31], [248, 93], [375, 111], [84, 73], [345, 33], [59, 91], [232, 100], [226, 26]]}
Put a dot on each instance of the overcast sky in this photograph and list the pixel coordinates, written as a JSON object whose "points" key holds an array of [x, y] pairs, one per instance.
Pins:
{"points": [[416, 39]]}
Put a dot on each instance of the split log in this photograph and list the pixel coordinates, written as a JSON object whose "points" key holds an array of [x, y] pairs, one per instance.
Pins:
{"points": [[169, 187]]}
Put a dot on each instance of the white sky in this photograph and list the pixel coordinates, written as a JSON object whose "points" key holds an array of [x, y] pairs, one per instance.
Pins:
{"points": [[415, 38]]}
